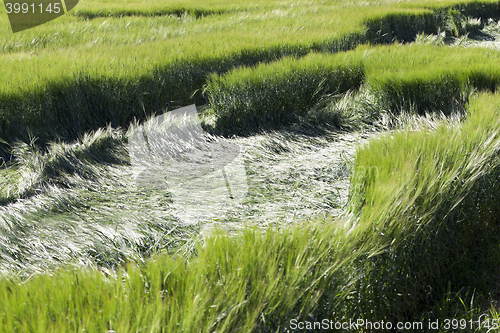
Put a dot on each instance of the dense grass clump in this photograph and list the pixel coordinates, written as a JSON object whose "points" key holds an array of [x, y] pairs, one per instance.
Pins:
{"points": [[222, 288], [428, 78], [403, 78], [165, 60], [453, 21], [426, 201], [420, 240], [266, 96]]}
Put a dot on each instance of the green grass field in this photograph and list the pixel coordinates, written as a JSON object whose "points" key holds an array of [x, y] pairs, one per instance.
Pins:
{"points": [[370, 135]]}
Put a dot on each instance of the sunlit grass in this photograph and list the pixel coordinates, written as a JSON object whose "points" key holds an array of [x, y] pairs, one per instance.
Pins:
{"points": [[412, 222], [80, 203], [401, 78], [83, 248], [430, 207], [267, 96], [164, 60]]}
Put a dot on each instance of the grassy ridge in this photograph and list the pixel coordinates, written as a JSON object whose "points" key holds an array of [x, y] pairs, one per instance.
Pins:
{"points": [[113, 9], [416, 243], [431, 208], [273, 95], [430, 77], [163, 62], [116, 94], [223, 288], [422, 235], [418, 78]]}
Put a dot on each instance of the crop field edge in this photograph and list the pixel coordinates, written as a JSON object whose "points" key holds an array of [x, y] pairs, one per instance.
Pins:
{"points": [[179, 83]]}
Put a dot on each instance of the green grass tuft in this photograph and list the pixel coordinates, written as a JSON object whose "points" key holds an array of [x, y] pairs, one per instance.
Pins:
{"points": [[267, 96]]}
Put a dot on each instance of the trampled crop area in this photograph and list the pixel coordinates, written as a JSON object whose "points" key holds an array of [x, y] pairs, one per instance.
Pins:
{"points": [[341, 165]]}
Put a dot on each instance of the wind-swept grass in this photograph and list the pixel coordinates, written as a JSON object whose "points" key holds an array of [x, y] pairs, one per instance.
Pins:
{"points": [[222, 288], [420, 244], [267, 96], [64, 73], [85, 203], [61, 206], [401, 78], [426, 200], [64, 164]]}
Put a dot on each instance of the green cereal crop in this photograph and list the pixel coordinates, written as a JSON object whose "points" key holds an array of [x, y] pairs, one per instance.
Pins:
{"points": [[403, 228]]}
